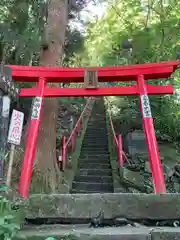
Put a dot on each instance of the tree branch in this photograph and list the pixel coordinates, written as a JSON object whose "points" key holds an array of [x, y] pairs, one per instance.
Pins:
{"points": [[150, 6]]}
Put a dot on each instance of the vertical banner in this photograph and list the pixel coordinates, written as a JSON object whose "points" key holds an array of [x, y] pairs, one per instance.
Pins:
{"points": [[14, 137], [146, 108], [15, 129], [36, 108]]}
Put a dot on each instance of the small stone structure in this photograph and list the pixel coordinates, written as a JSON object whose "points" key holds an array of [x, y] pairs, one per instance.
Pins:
{"points": [[136, 143]]}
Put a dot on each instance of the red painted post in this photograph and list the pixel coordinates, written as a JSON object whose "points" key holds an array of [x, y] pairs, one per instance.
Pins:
{"points": [[120, 151], [64, 153], [27, 165], [155, 162]]}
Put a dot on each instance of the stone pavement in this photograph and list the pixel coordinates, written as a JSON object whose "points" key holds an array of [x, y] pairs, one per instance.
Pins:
{"points": [[83, 232]]}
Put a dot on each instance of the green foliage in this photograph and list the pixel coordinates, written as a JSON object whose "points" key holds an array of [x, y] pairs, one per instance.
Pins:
{"points": [[152, 30], [22, 30], [10, 218]]}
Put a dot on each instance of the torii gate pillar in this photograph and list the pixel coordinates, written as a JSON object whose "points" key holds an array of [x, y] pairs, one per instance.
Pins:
{"points": [[152, 146]]}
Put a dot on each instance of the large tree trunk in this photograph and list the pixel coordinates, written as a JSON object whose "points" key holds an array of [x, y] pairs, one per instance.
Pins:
{"points": [[45, 174]]}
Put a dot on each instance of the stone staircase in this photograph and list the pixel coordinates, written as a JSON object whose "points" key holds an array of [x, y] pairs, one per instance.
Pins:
{"points": [[67, 216], [94, 170]]}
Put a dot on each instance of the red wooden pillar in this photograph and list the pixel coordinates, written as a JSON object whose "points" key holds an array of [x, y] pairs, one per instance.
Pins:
{"points": [[28, 162], [155, 162]]}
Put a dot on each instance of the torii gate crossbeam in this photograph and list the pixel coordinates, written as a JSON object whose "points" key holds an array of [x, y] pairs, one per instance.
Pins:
{"points": [[138, 73]]}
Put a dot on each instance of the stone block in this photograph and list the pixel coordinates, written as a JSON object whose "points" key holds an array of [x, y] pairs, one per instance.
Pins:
{"points": [[132, 206], [86, 233], [136, 142], [167, 233]]}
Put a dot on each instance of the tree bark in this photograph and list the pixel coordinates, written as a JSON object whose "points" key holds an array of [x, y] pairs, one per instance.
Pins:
{"points": [[52, 56]]}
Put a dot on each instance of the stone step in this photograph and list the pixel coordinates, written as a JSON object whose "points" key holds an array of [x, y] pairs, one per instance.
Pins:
{"points": [[97, 134], [91, 148], [87, 163], [94, 140], [96, 137], [93, 178], [131, 206], [96, 130], [99, 129], [96, 148], [94, 144], [98, 125], [84, 232], [98, 172], [97, 121], [94, 160], [86, 186], [94, 117], [94, 154], [94, 165], [74, 191]]}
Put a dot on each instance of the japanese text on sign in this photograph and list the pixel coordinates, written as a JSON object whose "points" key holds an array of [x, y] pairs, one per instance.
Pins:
{"points": [[15, 129], [36, 108], [146, 109]]}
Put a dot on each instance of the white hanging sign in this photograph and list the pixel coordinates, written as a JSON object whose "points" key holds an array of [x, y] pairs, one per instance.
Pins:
{"points": [[6, 106], [146, 109], [36, 108], [15, 129]]}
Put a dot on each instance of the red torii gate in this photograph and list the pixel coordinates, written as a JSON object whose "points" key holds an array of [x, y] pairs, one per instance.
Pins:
{"points": [[138, 73]]}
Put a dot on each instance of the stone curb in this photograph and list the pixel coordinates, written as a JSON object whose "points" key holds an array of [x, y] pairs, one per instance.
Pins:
{"points": [[132, 206]]}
